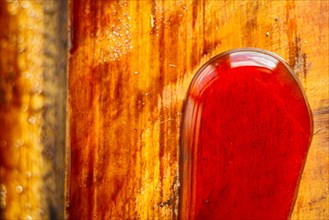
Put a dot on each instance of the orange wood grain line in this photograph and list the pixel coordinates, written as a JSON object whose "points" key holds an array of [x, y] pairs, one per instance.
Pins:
{"points": [[130, 65]]}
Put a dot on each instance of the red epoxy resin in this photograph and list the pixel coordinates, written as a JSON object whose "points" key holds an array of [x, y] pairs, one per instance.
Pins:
{"points": [[246, 132]]}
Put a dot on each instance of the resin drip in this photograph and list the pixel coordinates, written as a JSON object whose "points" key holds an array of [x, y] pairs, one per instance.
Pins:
{"points": [[246, 132]]}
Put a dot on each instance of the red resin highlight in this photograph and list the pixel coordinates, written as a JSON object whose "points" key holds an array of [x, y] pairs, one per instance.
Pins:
{"points": [[246, 132]]}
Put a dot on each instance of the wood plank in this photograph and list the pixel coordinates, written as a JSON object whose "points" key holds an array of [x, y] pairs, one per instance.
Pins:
{"points": [[33, 58], [130, 66]]}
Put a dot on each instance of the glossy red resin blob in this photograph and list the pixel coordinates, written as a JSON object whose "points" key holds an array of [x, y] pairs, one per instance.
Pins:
{"points": [[246, 132]]}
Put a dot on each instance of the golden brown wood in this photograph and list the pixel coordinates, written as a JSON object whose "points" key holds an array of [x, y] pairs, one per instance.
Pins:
{"points": [[32, 106], [130, 66]]}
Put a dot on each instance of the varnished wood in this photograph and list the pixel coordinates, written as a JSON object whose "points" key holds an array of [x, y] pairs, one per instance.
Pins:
{"points": [[130, 66]]}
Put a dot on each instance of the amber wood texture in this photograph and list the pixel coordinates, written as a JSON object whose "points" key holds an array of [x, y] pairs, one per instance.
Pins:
{"points": [[130, 66], [33, 57]]}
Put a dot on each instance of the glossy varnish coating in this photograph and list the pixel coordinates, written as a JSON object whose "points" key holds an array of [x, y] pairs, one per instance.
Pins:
{"points": [[130, 67], [246, 133]]}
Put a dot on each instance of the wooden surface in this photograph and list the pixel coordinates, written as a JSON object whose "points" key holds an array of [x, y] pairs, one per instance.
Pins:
{"points": [[32, 108], [130, 66]]}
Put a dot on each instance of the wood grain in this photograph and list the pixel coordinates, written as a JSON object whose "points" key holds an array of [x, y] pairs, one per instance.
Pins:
{"points": [[130, 66], [33, 56]]}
